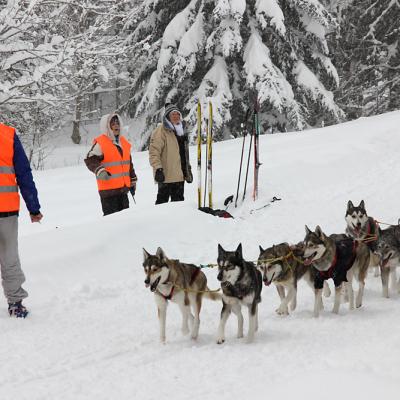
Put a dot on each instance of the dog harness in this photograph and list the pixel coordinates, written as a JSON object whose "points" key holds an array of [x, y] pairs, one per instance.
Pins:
{"points": [[192, 279], [342, 261], [371, 235]]}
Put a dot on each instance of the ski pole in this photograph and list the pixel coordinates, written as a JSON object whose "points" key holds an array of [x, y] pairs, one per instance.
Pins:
{"points": [[248, 163], [244, 132], [209, 144], [256, 148]]}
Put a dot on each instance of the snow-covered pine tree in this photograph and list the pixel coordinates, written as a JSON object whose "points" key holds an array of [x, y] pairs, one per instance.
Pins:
{"points": [[367, 53], [225, 50], [31, 63]]}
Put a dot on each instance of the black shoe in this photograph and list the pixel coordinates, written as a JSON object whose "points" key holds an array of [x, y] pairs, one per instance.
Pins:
{"points": [[17, 310]]}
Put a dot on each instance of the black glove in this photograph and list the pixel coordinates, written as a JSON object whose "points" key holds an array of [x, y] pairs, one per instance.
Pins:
{"points": [[189, 175], [159, 175], [132, 190]]}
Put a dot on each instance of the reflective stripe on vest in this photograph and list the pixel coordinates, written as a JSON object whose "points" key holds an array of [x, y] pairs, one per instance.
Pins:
{"points": [[116, 165], [9, 195]]}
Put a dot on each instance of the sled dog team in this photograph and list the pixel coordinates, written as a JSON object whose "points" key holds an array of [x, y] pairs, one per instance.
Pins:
{"points": [[340, 257]]}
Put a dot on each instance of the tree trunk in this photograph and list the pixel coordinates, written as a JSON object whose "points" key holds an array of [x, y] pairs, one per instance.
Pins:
{"points": [[76, 135]]}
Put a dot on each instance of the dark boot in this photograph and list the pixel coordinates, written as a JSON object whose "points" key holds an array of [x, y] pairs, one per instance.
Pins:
{"points": [[17, 310]]}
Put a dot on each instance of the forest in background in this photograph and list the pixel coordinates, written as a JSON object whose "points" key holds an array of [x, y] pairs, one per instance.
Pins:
{"points": [[311, 63]]}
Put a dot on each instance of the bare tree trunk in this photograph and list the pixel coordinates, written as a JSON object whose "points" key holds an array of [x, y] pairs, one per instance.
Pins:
{"points": [[76, 135]]}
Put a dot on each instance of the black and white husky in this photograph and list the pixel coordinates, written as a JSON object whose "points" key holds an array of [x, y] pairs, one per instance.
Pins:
{"points": [[241, 284], [363, 228], [338, 258]]}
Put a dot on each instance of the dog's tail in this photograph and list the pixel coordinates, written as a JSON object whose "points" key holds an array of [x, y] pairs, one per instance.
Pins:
{"points": [[215, 296]]}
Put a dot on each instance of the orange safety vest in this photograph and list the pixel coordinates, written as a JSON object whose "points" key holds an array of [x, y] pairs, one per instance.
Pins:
{"points": [[118, 166], [9, 195]]}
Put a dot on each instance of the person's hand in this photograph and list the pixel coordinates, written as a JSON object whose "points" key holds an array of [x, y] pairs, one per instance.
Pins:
{"points": [[104, 175], [159, 175], [133, 189], [36, 217], [189, 177]]}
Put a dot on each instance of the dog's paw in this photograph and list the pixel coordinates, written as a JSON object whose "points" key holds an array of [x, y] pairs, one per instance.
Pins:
{"points": [[220, 340], [282, 311]]}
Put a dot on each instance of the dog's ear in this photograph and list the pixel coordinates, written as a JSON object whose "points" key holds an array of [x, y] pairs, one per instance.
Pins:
{"points": [[308, 230], [161, 254], [261, 249], [318, 231], [362, 205], [221, 251], [238, 251], [350, 205], [146, 255]]}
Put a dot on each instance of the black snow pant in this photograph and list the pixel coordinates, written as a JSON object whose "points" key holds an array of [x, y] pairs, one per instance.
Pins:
{"points": [[113, 204], [174, 190]]}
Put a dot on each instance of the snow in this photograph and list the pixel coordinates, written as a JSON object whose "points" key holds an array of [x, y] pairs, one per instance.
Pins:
{"points": [[306, 78], [261, 71], [328, 65], [178, 26], [215, 88], [272, 10], [93, 330]]}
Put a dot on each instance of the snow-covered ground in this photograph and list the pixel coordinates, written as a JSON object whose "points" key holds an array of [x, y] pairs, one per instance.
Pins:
{"points": [[93, 330]]}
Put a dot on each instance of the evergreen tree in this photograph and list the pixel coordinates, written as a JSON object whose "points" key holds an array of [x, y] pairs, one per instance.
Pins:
{"points": [[226, 50], [366, 49]]}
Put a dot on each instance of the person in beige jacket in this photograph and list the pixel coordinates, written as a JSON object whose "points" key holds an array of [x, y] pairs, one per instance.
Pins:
{"points": [[169, 156]]}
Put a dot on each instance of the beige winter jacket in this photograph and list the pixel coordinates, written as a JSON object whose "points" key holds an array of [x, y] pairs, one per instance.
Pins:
{"points": [[164, 153]]}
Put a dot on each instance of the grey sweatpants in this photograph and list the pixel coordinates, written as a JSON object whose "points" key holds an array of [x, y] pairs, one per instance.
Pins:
{"points": [[11, 272]]}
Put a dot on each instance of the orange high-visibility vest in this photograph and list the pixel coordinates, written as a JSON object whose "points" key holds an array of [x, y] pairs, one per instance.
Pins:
{"points": [[118, 166], [9, 195]]}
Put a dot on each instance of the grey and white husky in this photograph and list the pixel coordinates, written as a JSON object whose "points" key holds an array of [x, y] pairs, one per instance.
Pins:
{"points": [[180, 283], [241, 284], [388, 248], [282, 265], [340, 260], [363, 228]]}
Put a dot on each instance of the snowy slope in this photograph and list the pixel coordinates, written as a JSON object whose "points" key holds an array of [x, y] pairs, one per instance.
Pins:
{"points": [[93, 331]]}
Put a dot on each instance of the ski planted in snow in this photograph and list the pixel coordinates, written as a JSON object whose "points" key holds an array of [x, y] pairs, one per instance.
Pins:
{"points": [[256, 148], [209, 152], [199, 154]]}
